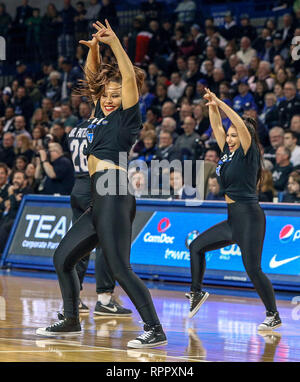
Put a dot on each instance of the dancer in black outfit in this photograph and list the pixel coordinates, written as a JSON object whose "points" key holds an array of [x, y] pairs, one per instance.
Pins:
{"points": [[239, 171], [108, 221], [80, 202]]}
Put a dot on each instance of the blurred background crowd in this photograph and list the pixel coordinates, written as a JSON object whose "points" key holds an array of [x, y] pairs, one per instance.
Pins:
{"points": [[254, 70]]}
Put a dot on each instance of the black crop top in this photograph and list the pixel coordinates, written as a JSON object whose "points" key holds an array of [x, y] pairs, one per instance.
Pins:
{"points": [[107, 136], [238, 173]]}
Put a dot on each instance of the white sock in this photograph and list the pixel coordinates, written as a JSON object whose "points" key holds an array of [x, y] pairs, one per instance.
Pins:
{"points": [[104, 298]]}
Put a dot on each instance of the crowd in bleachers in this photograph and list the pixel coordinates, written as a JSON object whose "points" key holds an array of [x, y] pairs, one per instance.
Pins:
{"points": [[255, 71]]}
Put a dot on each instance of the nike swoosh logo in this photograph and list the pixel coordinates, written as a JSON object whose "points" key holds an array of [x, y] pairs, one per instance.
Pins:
{"points": [[114, 309], [275, 264]]}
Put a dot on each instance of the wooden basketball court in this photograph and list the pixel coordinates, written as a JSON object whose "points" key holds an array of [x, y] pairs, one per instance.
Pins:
{"points": [[223, 330]]}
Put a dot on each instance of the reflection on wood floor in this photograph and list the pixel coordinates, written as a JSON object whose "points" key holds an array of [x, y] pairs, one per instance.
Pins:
{"points": [[223, 330]]}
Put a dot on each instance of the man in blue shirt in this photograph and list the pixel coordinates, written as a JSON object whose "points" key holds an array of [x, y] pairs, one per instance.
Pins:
{"points": [[244, 99]]}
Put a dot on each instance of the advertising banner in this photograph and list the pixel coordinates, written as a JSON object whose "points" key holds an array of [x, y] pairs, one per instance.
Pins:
{"points": [[161, 235]]}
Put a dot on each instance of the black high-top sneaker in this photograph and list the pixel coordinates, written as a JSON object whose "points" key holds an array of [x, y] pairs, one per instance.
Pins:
{"points": [[272, 321], [65, 327], [112, 309], [153, 336], [196, 300]]}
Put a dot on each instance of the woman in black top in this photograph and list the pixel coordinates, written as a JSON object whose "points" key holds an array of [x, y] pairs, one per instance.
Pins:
{"points": [[108, 222], [239, 170]]}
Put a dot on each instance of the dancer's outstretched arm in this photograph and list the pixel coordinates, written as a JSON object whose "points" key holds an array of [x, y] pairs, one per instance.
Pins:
{"points": [[215, 121], [236, 120], [93, 60], [106, 35]]}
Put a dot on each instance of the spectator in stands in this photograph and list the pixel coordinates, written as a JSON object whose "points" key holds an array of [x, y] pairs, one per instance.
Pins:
{"points": [[279, 49], [263, 74], [23, 104], [293, 188], [3, 186], [9, 119], [146, 99], [201, 118], [178, 189], [278, 91], [138, 185], [259, 94], [68, 118], [287, 31], [38, 134], [266, 190], [241, 74], [192, 74], [290, 141], [7, 153], [32, 182], [290, 106], [15, 193], [244, 98], [282, 168], [246, 29], [218, 77], [269, 113], [169, 124], [188, 95], [214, 190], [20, 164], [165, 148], [20, 125], [177, 87], [281, 76], [276, 137], [230, 30], [69, 77], [212, 155], [161, 96], [24, 146], [60, 136], [59, 171], [185, 143], [32, 91], [39, 117], [153, 116], [186, 110], [246, 52], [5, 100], [84, 111], [148, 151], [53, 88]]}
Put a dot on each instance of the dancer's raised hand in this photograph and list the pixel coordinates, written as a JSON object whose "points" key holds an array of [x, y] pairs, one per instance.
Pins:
{"points": [[105, 34]]}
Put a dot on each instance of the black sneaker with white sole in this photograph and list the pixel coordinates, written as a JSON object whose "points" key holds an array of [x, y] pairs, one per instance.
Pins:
{"points": [[111, 309], [82, 307], [65, 327], [153, 336], [196, 300], [272, 321]]}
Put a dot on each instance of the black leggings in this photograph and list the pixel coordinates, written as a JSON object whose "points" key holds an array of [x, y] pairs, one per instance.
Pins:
{"points": [[108, 223], [80, 202], [245, 226]]}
